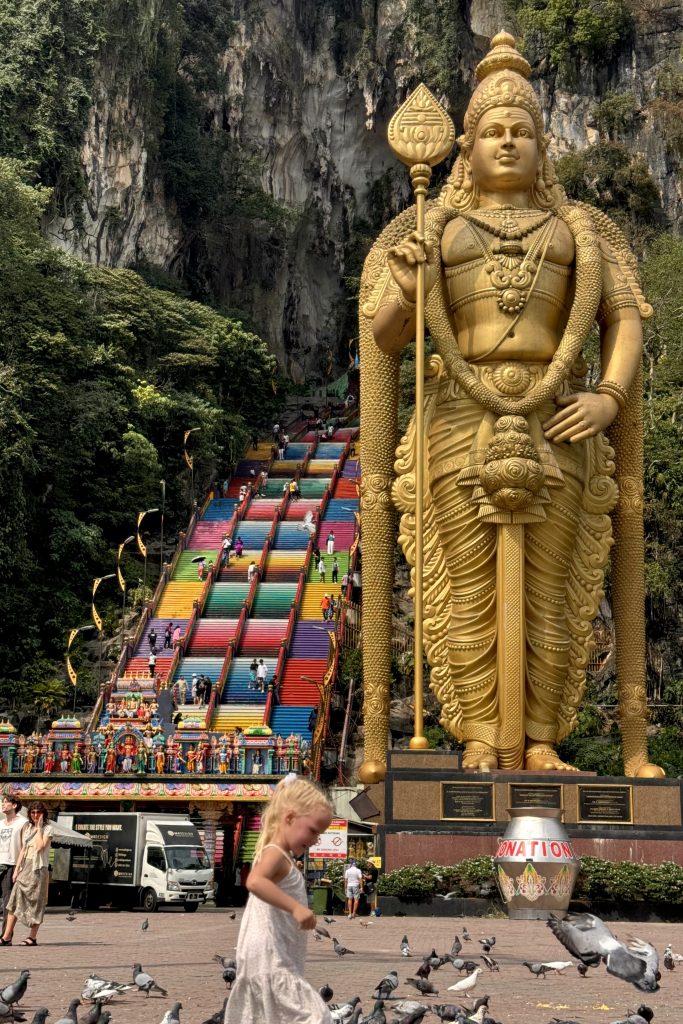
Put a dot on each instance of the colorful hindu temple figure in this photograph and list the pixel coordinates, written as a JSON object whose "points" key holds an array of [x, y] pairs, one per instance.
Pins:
{"points": [[76, 762], [91, 760], [159, 761], [64, 759], [519, 475], [110, 760]]}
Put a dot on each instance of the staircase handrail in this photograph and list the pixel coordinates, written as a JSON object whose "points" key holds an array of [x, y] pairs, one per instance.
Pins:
{"points": [[248, 602], [322, 722], [309, 554], [217, 688], [237, 840]]}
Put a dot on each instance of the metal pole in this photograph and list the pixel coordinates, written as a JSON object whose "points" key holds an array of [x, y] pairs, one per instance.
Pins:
{"points": [[163, 508], [345, 732]]}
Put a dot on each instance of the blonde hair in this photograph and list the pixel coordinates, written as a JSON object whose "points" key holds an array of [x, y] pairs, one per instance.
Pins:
{"points": [[291, 794]]}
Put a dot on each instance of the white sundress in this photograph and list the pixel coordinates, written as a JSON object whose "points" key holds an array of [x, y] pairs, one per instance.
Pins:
{"points": [[271, 951]]}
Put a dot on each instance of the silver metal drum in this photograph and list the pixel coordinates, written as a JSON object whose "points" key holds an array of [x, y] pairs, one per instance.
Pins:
{"points": [[536, 867]]}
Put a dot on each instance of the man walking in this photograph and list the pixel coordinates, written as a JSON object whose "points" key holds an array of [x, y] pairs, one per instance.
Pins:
{"points": [[321, 569], [10, 846], [261, 675], [353, 881], [330, 542], [335, 571]]}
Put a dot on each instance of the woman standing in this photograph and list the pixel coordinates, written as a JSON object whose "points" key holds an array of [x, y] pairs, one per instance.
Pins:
{"points": [[29, 896]]}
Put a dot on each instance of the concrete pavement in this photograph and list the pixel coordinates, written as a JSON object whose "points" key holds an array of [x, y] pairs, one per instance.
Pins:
{"points": [[177, 951]]}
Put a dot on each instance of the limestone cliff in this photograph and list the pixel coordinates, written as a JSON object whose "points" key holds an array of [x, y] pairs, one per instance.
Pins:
{"points": [[284, 105]]}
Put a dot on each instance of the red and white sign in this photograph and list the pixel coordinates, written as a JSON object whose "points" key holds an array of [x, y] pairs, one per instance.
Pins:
{"points": [[530, 848], [334, 843]]}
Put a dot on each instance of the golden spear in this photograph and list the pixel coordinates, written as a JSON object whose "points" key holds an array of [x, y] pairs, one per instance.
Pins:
{"points": [[421, 134]]}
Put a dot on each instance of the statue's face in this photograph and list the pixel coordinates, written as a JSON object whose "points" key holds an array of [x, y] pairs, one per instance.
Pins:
{"points": [[505, 155]]}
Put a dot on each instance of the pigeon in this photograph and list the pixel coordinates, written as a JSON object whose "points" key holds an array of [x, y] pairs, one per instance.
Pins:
{"points": [[424, 970], [145, 982], [322, 932], [643, 1015], [559, 966], [10, 1013], [233, 915], [341, 950], [668, 959], [490, 962], [409, 1006], [105, 994], [582, 969], [330, 920], [488, 940], [537, 969], [457, 962], [466, 984], [405, 946], [387, 985], [326, 993], [105, 1017], [377, 1016], [15, 992], [447, 1012], [71, 916], [71, 1014], [172, 1016], [224, 961], [435, 961], [449, 895], [423, 986], [342, 1013], [219, 1016], [40, 1015], [589, 939], [469, 966], [229, 975], [145, 925], [465, 935], [416, 1017], [94, 1014], [457, 946]]}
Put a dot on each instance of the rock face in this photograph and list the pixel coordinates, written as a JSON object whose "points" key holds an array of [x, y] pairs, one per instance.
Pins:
{"points": [[306, 91]]}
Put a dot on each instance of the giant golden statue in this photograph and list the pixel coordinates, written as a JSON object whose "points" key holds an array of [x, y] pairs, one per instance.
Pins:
{"points": [[519, 477]]}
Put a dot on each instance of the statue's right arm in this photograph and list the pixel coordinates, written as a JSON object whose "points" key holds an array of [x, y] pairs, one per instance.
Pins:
{"points": [[394, 322]]}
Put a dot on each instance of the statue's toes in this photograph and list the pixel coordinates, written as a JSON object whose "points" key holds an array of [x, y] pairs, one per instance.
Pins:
{"points": [[650, 771]]}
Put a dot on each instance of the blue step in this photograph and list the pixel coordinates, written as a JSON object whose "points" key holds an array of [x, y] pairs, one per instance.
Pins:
{"points": [[290, 537], [297, 451], [210, 667], [253, 533], [236, 690], [220, 508], [341, 510], [329, 449], [286, 720]]}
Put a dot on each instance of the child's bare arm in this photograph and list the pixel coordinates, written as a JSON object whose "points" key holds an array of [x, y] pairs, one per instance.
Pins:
{"points": [[262, 880]]}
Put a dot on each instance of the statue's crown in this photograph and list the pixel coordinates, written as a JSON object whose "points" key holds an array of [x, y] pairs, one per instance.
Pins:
{"points": [[503, 82]]}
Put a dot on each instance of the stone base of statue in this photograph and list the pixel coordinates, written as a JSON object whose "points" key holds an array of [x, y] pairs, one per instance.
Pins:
{"points": [[433, 810]]}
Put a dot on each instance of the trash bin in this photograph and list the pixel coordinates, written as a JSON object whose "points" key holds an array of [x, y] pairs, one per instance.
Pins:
{"points": [[322, 899]]}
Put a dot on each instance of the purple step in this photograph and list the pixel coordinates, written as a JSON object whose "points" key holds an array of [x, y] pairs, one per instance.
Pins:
{"points": [[350, 470], [310, 639], [159, 626]]}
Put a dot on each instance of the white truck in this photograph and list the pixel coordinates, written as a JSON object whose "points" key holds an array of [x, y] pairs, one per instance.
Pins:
{"points": [[137, 858]]}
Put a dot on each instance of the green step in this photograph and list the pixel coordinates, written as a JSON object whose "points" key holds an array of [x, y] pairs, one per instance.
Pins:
{"points": [[273, 600], [342, 561], [186, 569], [225, 600], [313, 487]]}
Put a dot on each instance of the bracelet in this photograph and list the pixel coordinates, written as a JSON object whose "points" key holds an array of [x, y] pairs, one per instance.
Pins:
{"points": [[615, 391], [403, 302]]}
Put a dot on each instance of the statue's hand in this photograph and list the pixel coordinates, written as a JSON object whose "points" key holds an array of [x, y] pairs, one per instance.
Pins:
{"points": [[403, 261], [582, 416]]}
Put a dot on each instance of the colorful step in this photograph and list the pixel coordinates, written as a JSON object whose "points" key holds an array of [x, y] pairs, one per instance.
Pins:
{"points": [[237, 686], [219, 509], [310, 639], [228, 717], [177, 600], [293, 719], [262, 637], [211, 637], [297, 687], [186, 566], [273, 600], [283, 566], [312, 597], [290, 537], [226, 600]]}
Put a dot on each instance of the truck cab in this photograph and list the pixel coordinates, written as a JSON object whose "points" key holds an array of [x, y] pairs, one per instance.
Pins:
{"points": [[175, 867]]}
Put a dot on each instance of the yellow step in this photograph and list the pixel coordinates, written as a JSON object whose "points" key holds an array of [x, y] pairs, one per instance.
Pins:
{"points": [[313, 595], [227, 717], [177, 600]]}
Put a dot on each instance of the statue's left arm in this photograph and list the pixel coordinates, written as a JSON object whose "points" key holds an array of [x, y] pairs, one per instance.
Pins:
{"points": [[585, 414]]}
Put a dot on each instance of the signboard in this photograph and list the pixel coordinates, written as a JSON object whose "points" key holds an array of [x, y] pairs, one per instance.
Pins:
{"points": [[535, 794], [334, 843], [184, 834], [376, 861], [114, 837], [467, 801], [605, 805]]}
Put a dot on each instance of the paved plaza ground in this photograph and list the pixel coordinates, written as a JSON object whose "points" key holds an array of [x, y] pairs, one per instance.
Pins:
{"points": [[178, 947]]}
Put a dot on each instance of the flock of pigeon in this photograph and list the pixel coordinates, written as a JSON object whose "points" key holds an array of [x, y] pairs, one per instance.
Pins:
{"points": [[584, 936]]}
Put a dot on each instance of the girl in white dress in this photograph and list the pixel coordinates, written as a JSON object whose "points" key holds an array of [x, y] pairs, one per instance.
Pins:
{"points": [[271, 948]]}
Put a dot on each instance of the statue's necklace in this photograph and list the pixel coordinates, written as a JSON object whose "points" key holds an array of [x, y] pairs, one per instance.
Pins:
{"points": [[512, 274], [509, 229]]}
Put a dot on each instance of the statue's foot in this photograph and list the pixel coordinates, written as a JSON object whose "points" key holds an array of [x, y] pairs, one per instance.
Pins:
{"points": [[539, 757], [480, 756], [649, 771]]}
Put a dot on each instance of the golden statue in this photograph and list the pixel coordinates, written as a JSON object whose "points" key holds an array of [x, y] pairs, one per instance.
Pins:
{"points": [[519, 479]]}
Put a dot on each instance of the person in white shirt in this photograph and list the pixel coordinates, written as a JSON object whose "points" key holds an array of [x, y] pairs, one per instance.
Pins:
{"points": [[321, 569], [261, 676], [251, 571], [10, 846], [28, 899], [353, 884]]}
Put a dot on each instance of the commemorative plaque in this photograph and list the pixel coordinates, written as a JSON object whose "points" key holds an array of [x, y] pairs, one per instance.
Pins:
{"points": [[535, 794], [467, 801], [605, 805]]}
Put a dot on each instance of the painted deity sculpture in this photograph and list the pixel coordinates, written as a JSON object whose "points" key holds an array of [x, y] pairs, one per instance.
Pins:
{"points": [[520, 479]]}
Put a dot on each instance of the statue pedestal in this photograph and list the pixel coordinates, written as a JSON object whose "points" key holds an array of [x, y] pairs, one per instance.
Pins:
{"points": [[433, 810]]}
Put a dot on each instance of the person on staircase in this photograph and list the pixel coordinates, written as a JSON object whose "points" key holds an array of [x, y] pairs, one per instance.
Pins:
{"points": [[335, 571], [261, 675], [330, 542]]}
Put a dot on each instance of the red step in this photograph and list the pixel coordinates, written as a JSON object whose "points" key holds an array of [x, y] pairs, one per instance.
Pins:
{"points": [[299, 692]]}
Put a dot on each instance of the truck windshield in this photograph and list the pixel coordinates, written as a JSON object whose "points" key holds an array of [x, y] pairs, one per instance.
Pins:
{"points": [[186, 858]]}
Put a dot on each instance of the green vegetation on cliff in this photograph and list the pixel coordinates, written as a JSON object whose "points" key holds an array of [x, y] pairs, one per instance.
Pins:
{"points": [[100, 374]]}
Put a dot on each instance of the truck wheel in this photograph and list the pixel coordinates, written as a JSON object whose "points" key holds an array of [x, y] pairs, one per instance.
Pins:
{"points": [[190, 908], [149, 900]]}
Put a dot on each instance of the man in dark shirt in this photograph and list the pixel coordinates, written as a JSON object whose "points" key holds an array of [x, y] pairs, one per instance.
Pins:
{"points": [[370, 875]]}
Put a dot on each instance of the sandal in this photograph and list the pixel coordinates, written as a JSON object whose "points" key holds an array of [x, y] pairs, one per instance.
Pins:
{"points": [[5, 942], [28, 941]]}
